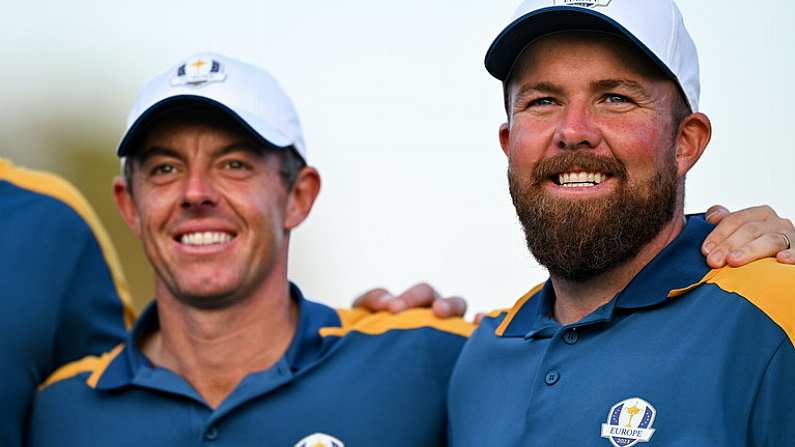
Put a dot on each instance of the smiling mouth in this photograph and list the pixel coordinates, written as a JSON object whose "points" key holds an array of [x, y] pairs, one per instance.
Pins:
{"points": [[579, 179], [203, 238]]}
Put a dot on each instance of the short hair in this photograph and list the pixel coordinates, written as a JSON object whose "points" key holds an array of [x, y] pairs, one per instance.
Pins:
{"points": [[290, 162]]}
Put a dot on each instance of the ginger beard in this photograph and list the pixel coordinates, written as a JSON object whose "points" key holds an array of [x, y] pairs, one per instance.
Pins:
{"points": [[579, 239]]}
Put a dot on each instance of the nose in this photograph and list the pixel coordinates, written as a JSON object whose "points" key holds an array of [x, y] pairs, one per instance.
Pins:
{"points": [[577, 129], [198, 191]]}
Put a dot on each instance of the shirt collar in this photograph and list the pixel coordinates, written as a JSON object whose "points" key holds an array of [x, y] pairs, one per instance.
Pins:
{"points": [[679, 265], [306, 347]]}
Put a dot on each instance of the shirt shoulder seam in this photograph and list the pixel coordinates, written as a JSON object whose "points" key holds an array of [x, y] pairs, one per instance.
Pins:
{"points": [[95, 365]]}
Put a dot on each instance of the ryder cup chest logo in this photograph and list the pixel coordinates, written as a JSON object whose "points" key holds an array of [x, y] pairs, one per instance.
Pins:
{"points": [[583, 3], [320, 440], [198, 72], [629, 422]]}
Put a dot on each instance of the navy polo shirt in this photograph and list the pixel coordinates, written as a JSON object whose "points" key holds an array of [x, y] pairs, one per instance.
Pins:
{"points": [[348, 378], [683, 356], [60, 286]]}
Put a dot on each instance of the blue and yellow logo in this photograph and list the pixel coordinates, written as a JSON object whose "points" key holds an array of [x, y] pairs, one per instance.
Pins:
{"points": [[629, 422], [198, 72]]}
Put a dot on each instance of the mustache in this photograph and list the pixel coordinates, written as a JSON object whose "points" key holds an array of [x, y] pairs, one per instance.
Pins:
{"points": [[582, 160]]}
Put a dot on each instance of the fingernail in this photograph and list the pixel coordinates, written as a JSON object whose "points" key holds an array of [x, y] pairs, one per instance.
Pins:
{"points": [[709, 246], [444, 307], [736, 254], [397, 306], [786, 255], [716, 257], [385, 297]]}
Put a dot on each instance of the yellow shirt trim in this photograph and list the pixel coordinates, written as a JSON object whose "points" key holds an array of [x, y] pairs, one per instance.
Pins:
{"points": [[497, 312], [516, 308], [95, 365], [58, 188], [767, 284], [358, 320]]}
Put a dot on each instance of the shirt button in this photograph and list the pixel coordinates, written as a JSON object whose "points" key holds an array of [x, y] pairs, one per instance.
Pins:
{"points": [[211, 434], [570, 337], [552, 377]]}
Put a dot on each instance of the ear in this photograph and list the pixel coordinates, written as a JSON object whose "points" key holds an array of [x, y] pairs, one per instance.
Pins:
{"points": [[505, 138], [301, 198], [126, 205], [691, 141]]}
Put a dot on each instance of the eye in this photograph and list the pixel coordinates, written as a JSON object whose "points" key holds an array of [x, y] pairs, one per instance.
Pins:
{"points": [[615, 98], [234, 164], [546, 101], [162, 169], [235, 167]]}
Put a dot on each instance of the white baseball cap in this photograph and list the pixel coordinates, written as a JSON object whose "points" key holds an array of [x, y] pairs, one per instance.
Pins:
{"points": [[247, 93], [654, 26]]}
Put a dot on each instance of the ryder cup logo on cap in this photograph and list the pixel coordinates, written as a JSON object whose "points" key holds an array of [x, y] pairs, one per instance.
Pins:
{"points": [[198, 72], [245, 92], [656, 27]]}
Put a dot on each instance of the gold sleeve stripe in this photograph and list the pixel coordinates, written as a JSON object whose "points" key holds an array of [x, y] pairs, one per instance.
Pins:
{"points": [[349, 317], [767, 284], [497, 312], [60, 189], [381, 322], [93, 364], [516, 308]]}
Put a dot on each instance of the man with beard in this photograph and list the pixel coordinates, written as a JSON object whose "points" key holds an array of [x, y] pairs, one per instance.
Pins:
{"points": [[633, 338]]}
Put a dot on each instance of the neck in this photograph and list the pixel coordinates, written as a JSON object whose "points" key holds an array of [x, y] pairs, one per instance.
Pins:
{"points": [[214, 349], [574, 300]]}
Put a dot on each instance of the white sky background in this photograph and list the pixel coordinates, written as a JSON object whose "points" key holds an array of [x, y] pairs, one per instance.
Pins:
{"points": [[399, 116]]}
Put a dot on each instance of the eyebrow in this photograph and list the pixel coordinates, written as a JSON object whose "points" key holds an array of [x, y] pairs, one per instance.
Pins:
{"points": [[612, 84], [542, 87], [154, 151], [241, 146]]}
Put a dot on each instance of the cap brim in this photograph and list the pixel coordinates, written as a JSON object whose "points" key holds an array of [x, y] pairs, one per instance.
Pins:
{"points": [[144, 119], [503, 52]]}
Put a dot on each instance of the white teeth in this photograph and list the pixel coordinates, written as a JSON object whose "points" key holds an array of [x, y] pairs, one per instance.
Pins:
{"points": [[205, 238], [578, 179]]}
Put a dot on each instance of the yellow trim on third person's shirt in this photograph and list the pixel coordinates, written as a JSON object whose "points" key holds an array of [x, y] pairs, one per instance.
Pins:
{"points": [[93, 364], [58, 188]]}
